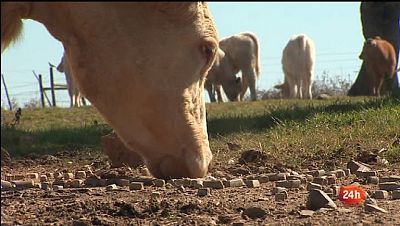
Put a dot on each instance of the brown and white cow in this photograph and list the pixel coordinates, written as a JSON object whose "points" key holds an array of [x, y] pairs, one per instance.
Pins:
{"points": [[76, 99], [380, 60], [298, 59], [241, 52], [142, 65]]}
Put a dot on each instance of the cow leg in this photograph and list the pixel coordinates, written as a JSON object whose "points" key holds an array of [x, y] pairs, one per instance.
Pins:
{"points": [[209, 87], [306, 86], [219, 93], [83, 101], [292, 85], [251, 77], [245, 85]]}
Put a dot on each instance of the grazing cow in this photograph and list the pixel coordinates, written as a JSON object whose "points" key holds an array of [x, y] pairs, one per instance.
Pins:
{"points": [[221, 74], [76, 100], [142, 66], [380, 61], [241, 53], [298, 60]]}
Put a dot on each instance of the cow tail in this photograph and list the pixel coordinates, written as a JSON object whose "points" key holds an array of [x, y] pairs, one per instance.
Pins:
{"points": [[255, 40]]}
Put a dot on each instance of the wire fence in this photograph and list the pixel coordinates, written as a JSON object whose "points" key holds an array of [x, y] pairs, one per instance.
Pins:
{"points": [[27, 92]]}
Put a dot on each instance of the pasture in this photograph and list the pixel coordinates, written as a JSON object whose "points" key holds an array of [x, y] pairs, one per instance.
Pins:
{"points": [[299, 135]]}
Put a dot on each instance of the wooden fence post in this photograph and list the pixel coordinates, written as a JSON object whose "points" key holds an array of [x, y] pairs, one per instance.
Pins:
{"points": [[41, 91], [53, 96], [8, 97]]}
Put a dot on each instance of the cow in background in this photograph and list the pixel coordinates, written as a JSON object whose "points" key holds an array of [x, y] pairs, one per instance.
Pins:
{"points": [[241, 52], [298, 59], [380, 61], [76, 99]]}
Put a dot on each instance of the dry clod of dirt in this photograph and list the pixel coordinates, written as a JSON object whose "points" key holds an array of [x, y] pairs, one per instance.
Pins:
{"points": [[33, 176], [24, 184], [355, 166], [276, 176], [217, 184], [317, 173], [321, 180], [318, 199], [281, 196], [311, 185], [252, 183], [381, 194], [254, 212], [235, 183], [306, 213], [111, 187], [43, 178], [57, 187], [80, 174], [396, 194], [203, 192], [277, 190], [6, 185], [136, 186], [374, 208], [122, 182], [389, 186], [159, 182], [373, 180], [391, 178]]}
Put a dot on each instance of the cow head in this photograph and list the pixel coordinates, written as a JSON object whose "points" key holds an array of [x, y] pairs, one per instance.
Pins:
{"points": [[143, 67]]}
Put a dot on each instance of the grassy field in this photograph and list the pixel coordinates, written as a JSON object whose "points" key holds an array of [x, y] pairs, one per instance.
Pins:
{"points": [[297, 133]]}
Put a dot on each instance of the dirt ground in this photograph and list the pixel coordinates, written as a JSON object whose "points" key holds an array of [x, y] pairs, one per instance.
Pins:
{"points": [[174, 205]]}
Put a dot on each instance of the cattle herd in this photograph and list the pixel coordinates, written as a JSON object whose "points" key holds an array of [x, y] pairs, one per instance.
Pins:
{"points": [[144, 67]]}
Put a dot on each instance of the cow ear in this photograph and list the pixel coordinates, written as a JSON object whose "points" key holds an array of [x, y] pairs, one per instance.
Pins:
{"points": [[208, 49]]}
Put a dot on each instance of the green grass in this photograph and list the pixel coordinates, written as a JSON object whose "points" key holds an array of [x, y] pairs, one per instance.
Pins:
{"points": [[299, 133]]}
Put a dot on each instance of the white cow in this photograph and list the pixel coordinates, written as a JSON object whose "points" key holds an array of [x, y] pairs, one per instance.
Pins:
{"points": [[241, 52], [142, 65], [298, 59], [76, 99]]}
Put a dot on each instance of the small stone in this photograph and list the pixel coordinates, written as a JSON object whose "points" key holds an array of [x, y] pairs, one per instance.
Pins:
{"points": [[213, 184], [197, 183], [282, 196], [276, 190], [276, 176], [46, 186], [366, 174], [252, 183], [33, 176], [392, 178], [80, 174], [381, 194], [43, 178], [235, 183], [311, 186], [389, 186], [306, 213], [155, 195], [24, 184], [302, 178], [68, 176], [77, 183], [57, 187], [18, 177], [347, 172], [321, 180], [136, 186], [111, 187], [254, 212], [318, 199], [263, 178], [103, 182], [331, 179], [373, 180], [356, 166], [396, 194], [203, 192], [159, 182], [309, 178], [336, 190], [6, 185], [92, 181], [122, 182], [374, 208], [317, 173], [339, 173], [49, 175]]}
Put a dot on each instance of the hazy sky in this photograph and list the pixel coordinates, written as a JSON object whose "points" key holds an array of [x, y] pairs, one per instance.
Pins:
{"points": [[335, 28]]}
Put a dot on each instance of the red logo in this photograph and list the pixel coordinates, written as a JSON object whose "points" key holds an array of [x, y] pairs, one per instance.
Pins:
{"points": [[351, 195]]}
